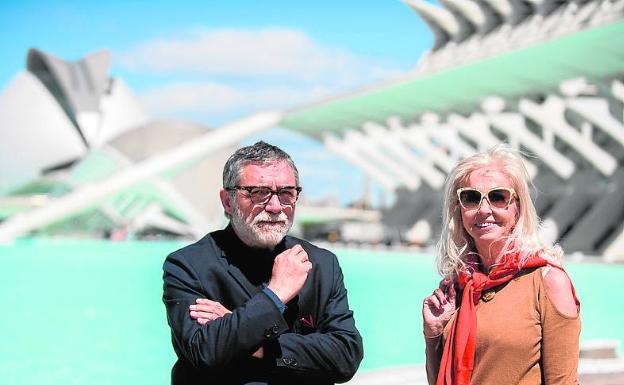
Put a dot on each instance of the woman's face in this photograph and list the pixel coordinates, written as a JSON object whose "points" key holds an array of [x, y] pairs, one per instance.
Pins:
{"points": [[487, 224]]}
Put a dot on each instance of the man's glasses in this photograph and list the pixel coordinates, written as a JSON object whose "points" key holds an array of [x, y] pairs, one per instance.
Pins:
{"points": [[260, 195], [498, 197]]}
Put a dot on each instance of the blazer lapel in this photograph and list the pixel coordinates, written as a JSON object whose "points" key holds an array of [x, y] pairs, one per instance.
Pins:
{"points": [[240, 278]]}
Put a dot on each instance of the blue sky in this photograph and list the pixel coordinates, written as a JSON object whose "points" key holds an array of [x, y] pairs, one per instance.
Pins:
{"points": [[215, 61]]}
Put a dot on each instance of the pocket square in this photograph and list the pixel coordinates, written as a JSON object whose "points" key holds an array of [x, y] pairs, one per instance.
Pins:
{"points": [[307, 321]]}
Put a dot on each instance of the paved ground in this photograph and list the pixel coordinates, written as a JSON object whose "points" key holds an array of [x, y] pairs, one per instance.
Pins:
{"points": [[415, 375], [412, 375], [602, 379]]}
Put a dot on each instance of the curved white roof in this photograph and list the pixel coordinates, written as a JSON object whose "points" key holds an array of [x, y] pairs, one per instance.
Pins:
{"points": [[35, 132]]}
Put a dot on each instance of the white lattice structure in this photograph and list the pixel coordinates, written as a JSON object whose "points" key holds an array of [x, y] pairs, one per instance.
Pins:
{"points": [[545, 76]]}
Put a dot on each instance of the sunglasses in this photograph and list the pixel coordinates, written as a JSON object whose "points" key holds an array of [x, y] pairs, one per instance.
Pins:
{"points": [[498, 197]]}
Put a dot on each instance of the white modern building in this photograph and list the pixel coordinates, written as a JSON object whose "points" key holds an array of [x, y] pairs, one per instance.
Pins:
{"points": [[546, 76], [67, 126]]}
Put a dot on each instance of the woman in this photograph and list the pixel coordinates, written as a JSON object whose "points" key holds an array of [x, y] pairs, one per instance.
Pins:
{"points": [[505, 311]]}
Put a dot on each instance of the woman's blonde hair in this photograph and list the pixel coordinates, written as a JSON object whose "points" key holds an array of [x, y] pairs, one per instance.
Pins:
{"points": [[456, 247]]}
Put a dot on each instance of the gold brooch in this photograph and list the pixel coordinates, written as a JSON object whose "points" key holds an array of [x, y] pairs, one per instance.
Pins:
{"points": [[488, 295]]}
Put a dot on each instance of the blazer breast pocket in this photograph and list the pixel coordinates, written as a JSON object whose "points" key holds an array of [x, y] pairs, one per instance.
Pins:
{"points": [[305, 324]]}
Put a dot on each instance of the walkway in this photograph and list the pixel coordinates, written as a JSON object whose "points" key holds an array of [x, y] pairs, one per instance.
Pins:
{"points": [[590, 374]]}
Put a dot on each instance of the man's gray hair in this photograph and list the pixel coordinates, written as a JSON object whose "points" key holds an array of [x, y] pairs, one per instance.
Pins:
{"points": [[258, 153]]}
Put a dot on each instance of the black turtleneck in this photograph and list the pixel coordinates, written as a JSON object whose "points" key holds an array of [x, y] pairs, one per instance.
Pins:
{"points": [[255, 263]]}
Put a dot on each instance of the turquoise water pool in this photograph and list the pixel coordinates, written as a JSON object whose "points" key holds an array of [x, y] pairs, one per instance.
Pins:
{"points": [[89, 312]]}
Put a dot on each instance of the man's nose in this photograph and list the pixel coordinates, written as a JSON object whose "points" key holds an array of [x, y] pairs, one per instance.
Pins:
{"points": [[273, 205]]}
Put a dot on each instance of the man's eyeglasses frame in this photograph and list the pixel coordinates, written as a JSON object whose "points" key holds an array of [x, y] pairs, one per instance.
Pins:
{"points": [[284, 199]]}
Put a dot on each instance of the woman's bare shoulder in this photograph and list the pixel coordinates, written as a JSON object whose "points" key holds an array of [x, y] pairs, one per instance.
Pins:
{"points": [[559, 290]]}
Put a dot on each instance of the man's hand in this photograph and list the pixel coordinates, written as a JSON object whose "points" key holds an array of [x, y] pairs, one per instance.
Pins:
{"points": [[259, 354], [206, 310], [290, 270]]}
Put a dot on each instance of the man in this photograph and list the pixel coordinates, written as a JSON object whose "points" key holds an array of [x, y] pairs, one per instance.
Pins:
{"points": [[251, 305]]}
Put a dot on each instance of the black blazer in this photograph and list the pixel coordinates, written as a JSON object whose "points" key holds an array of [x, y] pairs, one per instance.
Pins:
{"points": [[314, 342]]}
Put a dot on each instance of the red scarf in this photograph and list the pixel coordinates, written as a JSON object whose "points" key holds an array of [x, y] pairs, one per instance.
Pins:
{"points": [[459, 349]]}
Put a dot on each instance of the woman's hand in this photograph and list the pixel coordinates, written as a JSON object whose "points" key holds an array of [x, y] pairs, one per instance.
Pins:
{"points": [[438, 308]]}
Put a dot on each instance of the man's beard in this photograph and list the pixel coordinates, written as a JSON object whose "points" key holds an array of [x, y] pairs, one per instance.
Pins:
{"points": [[256, 232]]}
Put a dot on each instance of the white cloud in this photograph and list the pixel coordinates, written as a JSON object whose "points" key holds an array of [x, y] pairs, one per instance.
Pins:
{"points": [[211, 99], [277, 52], [237, 71]]}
